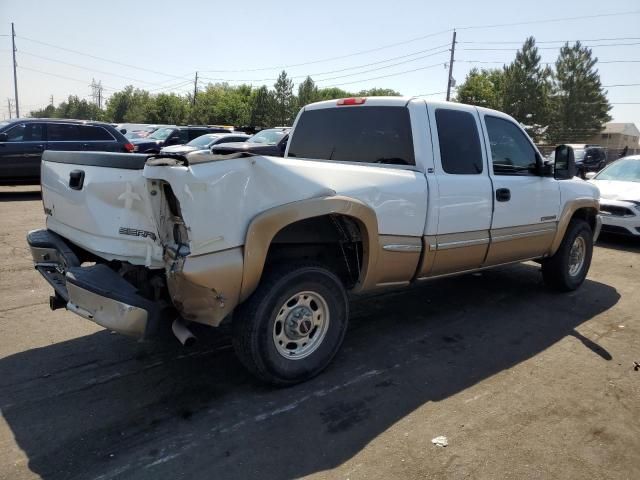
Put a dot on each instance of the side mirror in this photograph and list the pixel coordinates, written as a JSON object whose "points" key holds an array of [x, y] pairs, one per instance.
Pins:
{"points": [[590, 175], [123, 131], [4, 137], [173, 141], [565, 163]]}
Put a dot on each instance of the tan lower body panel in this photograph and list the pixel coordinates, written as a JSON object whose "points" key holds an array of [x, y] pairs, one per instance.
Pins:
{"points": [[515, 243], [458, 252], [207, 287], [454, 252], [398, 258]]}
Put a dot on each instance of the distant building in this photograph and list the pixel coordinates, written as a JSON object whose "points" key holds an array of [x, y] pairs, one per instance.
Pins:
{"points": [[618, 136]]}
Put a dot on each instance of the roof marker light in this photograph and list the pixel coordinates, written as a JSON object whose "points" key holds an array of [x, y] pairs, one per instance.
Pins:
{"points": [[352, 101]]}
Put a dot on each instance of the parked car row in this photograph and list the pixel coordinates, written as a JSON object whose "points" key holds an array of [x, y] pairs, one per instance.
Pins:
{"points": [[22, 142]]}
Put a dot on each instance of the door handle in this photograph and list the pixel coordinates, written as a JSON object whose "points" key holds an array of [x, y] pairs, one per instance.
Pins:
{"points": [[503, 194], [85, 145], [76, 179], [39, 147]]}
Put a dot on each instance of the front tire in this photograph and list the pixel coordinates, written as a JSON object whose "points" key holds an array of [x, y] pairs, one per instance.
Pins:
{"points": [[293, 325], [567, 269]]}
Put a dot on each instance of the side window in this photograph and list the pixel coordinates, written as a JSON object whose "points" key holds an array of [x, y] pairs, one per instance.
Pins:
{"points": [[192, 134], [26, 132], [511, 151], [460, 151], [62, 132], [92, 134]]}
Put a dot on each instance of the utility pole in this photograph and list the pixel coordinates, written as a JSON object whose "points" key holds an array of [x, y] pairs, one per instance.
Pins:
{"points": [[9, 105], [15, 77], [96, 92], [51, 100], [453, 52], [195, 90]]}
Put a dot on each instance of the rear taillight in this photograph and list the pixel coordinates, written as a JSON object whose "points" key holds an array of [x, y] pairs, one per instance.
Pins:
{"points": [[352, 101], [129, 147]]}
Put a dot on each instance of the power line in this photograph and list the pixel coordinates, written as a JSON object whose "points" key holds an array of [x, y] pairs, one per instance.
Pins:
{"points": [[91, 70], [340, 76], [339, 57], [622, 85], [552, 48], [386, 76], [544, 63], [97, 57], [63, 76], [549, 20], [169, 87], [552, 41], [355, 67]]}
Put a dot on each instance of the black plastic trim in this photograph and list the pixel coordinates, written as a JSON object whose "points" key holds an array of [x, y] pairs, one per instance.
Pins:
{"points": [[126, 161]]}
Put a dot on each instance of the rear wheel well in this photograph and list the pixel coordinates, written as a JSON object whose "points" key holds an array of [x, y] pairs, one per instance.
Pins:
{"points": [[334, 241]]}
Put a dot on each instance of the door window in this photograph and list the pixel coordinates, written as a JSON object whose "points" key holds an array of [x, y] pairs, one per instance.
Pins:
{"points": [[511, 151], [460, 151], [62, 132], [94, 134], [26, 132], [191, 134]]}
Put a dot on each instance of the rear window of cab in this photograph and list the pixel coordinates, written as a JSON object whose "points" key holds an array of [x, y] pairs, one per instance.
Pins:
{"points": [[355, 134]]}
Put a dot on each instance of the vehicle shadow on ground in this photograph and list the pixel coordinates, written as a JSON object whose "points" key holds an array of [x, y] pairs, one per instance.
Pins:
{"points": [[103, 406], [619, 242], [7, 195]]}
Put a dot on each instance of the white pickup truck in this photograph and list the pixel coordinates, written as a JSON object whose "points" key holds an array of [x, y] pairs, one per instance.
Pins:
{"points": [[371, 193]]}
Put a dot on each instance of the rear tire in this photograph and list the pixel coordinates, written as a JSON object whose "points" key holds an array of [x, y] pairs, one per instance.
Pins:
{"points": [[567, 269], [293, 325]]}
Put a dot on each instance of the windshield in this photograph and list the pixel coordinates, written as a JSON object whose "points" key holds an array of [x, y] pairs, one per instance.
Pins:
{"points": [[623, 170], [161, 133], [267, 137], [202, 141], [3, 124]]}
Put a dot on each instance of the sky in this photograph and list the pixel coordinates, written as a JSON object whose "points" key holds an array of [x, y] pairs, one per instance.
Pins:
{"points": [[159, 45]]}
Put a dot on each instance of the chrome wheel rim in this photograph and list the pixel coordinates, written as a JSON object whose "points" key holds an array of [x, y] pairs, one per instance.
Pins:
{"points": [[301, 325], [576, 256]]}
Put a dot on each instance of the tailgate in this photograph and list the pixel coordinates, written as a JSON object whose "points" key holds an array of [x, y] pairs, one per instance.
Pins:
{"points": [[100, 202]]}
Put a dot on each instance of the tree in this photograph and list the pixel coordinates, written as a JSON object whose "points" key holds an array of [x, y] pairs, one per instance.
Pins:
{"points": [[482, 88], [78, 109], [526, 90], [378, 92], [580, 103], [307, 92], [48, 112], [332, 93], [261, 108], [168, 108], [128, 105], [285, 102]]}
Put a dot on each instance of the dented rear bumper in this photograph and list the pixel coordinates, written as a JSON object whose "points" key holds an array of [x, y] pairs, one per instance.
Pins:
{"points": [[94, 292]]}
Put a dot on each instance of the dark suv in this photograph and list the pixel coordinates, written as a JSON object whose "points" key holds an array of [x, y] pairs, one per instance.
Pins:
{"points": [[589, 158], [22, 142], [165, 136]]}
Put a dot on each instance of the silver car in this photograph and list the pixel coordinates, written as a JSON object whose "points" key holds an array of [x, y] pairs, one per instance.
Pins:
{"points": [[205, 142]]}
